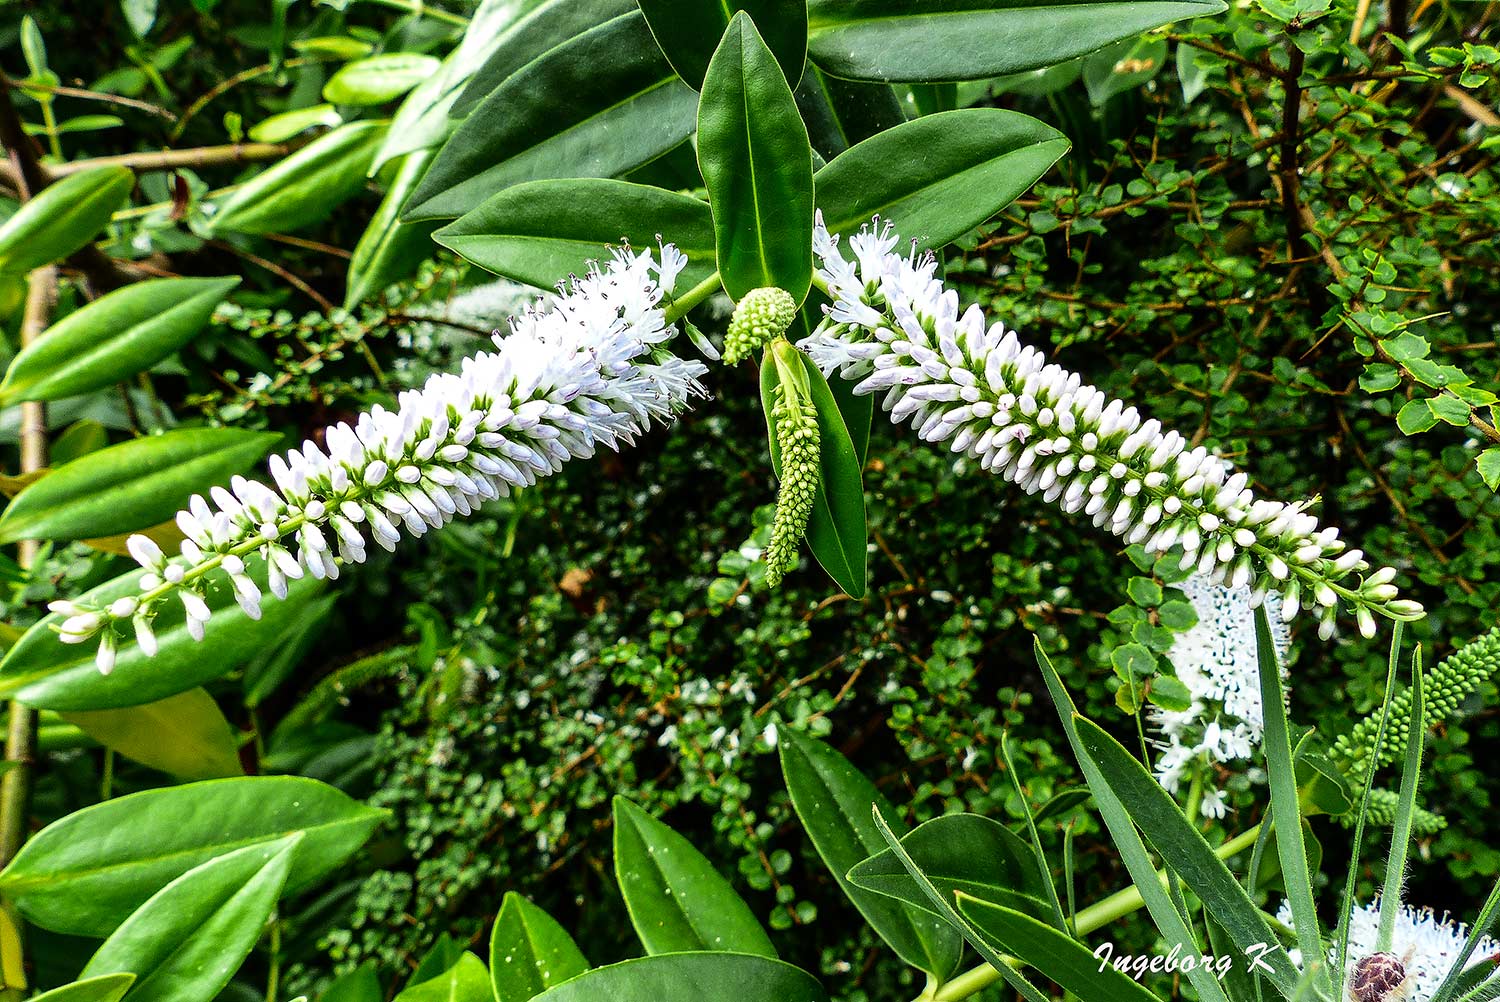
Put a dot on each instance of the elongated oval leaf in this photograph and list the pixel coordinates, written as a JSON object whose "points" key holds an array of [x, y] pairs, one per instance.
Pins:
{"points": [[945, 40], [104, 988], [540, 231], [188, 939], [691, 977], [678, 901], [840, 113], [63, 217], [84, 874], [464, 981], [184, 735], [42, 671], [280, 128], [756, 161], [359, 985], [687, 29], [530, 952], [113, 338], [836, 530], [601, 104], [132, 485], [379, 78], [307, 186], [1056, 954], [939, 176], [959, 852], [833, 801], [390, 249]]}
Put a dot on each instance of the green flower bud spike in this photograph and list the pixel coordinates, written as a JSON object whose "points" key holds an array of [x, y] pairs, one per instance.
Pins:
{"points": [[762, 315], [794, 421]]}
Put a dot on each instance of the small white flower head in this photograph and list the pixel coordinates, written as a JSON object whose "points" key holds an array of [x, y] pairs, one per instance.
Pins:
{"points": [[578, 370]]}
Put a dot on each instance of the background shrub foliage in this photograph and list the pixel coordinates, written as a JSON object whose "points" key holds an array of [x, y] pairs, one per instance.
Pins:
{"points": [[1275, 230]]}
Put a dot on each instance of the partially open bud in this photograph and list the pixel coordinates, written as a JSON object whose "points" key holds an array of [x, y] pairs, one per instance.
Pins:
{"points": [[762, 315], [794, 421], [1380, 977]]}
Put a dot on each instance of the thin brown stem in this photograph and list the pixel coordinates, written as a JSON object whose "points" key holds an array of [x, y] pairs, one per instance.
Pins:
{"points": [[201, 156], [94, 95]]}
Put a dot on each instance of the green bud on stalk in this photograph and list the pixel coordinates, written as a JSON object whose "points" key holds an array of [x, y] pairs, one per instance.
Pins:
{"points": [[794, 422], [762, 315]]}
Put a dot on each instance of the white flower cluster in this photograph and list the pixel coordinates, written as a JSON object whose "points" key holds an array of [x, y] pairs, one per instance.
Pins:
{"points": [[1426, 945], [1217, 661], [578, 370], [893, 327]]}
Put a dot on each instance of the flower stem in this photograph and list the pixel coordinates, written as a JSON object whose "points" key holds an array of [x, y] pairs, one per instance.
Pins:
{"points": [[1095, 916], [691, 298]]}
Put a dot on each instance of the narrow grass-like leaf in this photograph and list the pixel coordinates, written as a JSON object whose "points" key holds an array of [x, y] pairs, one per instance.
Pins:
{"points": [[1286, 809], [1411, 776], [1478, 929], [1036, 840], [1171, 923]]}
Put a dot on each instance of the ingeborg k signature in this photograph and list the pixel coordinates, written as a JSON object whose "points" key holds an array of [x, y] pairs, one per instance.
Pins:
{"points": [[1173, 961]]}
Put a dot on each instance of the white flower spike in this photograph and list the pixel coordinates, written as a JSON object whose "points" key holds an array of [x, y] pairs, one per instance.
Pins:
{"points": [[894, 328], [579, 370]]}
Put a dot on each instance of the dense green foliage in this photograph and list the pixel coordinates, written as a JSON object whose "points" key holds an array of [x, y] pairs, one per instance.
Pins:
{"points": [[1321, 309]]}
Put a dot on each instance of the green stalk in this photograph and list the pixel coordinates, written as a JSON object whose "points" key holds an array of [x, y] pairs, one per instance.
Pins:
{"points": [[682, 304], [1095, 916]]}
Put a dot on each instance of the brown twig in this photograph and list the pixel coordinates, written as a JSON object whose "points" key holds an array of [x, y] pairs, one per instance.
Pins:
{"points": [[94, 95], [201, 156]]}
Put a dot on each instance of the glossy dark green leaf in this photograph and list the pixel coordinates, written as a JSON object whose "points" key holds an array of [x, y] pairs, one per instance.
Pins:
{"points": [[691, 977], [959, 852], [542, 231], [390, 249], [601, 104], [836, 530], [757, 164], [188, 939], [465, 981], [113, 338], [445, 952], [378, 79], [678, 901], [839, 113], [1123, 67], [686, 30], [105, 988], [973, 163], [1184, 849], [85, 873], [62, 218], [186, 735], [307, 186], [945, 40], [42, 671], [833, 801], [530, 952], [1056, 954], [130, 486], [359, 985]]}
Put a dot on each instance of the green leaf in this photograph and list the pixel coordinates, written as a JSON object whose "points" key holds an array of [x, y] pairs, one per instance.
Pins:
{"points": [[1144, 591], [939, 176], [390, 250], [62, 218], [140, 15], [1132, 662], [541, 231], [280, 128], [185, 735], [113, 338], [1411, 778], [530, 952], [1170, 693], [306, 187], [677, 899], [840, 113], [686, 30], [359, 985], [130, 486], [833, 801], [464, 981], [42, 671], [601, 104], [188, 939], [1183, 848], [1415, 417], [1123, 67], [378, 79], [1450, 409], [836, 531], [85, 873], [958, 852], [1488, 464], [1056, 954], [1170, 922], [691, 977], [757, 164], [920, 41], [445, 952], [105, 988]]}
